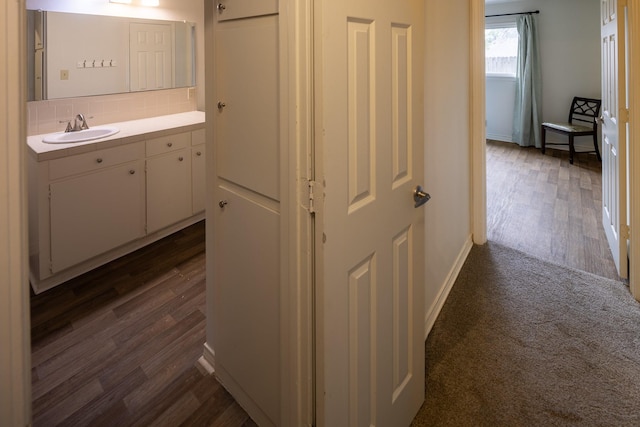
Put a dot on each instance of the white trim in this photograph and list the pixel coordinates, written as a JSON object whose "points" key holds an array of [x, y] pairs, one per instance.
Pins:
{"points": [[207, 362], [298, 392], [15, 352], [497, 137], [477, 123], [498, 76], [445, 289], [633, 151]]}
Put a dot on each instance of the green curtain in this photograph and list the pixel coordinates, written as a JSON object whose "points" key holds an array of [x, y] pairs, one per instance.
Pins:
{"points": [[528, 104]]}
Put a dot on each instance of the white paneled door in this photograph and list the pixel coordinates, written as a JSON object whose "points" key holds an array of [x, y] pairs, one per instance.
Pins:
{"points": [[150, 56], [371, 300], [614, 124]]}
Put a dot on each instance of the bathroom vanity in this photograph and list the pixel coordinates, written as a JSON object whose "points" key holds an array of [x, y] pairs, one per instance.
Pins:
{"points": [[92, 202]]}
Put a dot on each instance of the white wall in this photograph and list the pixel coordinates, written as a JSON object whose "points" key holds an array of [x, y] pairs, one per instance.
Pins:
{"points": [[569, 36], [447, 146], [173, 10]]}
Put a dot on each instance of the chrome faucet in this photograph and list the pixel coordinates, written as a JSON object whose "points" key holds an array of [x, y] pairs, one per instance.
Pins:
{"points": [[82, 125], [79, 123]]}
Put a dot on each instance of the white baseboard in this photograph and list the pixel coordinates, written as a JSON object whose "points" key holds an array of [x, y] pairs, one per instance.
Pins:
{"points": [[498, 137], [434, 310], [207, 362]]}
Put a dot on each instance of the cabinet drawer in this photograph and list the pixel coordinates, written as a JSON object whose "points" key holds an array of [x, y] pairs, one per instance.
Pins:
{"points": [[165, 144], [198, 137], [95, 160]]}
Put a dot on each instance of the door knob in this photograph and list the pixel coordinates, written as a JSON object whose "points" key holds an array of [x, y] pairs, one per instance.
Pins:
{"points": [[420, 197]]}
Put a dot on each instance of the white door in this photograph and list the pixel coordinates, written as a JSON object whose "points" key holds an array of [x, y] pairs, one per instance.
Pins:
{"points": [[614, 123], [150, 56], [371, 299]]}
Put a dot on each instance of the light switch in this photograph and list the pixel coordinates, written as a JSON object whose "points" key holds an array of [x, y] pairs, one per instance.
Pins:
{"points": [[64, 74]]}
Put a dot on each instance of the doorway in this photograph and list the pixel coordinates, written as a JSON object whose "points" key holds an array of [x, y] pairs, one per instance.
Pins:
{"points": [[544, 206]]}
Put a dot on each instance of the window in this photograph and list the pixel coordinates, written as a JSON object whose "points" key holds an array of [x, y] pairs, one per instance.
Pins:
{"points": [[501, 50]]}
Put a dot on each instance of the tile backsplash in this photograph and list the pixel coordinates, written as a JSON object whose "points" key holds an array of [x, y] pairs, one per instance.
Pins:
{"points": [[45, 116]]}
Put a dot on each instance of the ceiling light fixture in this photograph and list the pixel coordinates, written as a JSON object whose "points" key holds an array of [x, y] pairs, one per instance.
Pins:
{"points": [[152, 3]]}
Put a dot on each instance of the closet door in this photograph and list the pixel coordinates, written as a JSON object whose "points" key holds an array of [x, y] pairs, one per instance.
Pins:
{"points": [[247, 214]]}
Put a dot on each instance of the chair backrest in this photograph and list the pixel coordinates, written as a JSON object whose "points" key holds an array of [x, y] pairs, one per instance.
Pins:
{"points": [[585, 110]]}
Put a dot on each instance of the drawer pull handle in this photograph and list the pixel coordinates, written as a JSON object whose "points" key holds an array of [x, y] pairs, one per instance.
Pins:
{"points": [[169, 144], [132, 172], [198, 153], [181, 158], [99, 160]]}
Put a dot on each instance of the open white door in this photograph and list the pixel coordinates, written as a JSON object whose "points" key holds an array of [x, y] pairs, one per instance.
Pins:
{"points": [[371, 299], [614, 124]]}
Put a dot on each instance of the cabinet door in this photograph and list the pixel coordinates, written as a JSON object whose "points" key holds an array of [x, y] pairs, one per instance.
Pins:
{"points": [[198, 178], [96, 212], [168, 189]]}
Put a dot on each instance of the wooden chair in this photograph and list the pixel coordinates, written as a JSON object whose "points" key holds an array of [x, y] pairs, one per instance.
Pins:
{"points": [[583, 121]]}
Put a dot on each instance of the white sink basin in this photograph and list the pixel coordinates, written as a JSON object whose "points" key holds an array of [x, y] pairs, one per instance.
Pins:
{"points": [[81, 135]]}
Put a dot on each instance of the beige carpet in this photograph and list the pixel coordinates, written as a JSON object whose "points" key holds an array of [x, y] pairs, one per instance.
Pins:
{"points": [[523, 342]]}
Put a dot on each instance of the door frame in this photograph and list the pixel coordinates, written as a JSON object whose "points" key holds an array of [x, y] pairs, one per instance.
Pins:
{"points": [[479, 172], [15, 330]]}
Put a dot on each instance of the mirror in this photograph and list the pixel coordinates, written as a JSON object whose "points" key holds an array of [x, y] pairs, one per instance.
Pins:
{"points": [[74, 55]]}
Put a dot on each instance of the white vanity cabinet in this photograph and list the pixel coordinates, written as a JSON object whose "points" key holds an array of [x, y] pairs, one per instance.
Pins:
{"points": [[198, 171], [96, 210], [168, 180], [90, 204]]}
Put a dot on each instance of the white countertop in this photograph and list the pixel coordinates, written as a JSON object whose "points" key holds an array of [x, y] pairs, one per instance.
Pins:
{"points": [[130, 131]]}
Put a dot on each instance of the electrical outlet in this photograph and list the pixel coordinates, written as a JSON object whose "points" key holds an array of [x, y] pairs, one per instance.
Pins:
{"points": [[64, 74]]}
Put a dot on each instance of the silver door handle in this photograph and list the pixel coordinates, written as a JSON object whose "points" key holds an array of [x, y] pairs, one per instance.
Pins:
{"points": [[420, 197]]}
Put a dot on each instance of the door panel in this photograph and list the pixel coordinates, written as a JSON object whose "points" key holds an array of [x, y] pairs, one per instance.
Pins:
{"points": [[614, 122], [151, 56], [168, 189], [372, 306], [248, 265], [229, 9], [96, 212], [247, 84]]}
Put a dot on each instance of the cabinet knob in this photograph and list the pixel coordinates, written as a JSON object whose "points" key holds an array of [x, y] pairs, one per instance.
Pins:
{"points": [[181, 158], [132, 172], [198, 153], [221, 7], [99, 160], [222, 203], [169, 144], [221, 105]]}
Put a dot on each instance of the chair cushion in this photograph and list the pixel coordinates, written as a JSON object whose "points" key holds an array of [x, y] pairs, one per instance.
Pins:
{"points": [[568, 127]]}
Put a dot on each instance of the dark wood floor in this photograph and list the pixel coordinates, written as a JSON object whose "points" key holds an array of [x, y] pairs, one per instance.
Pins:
{"points": [[118, 346], [546, 207]]}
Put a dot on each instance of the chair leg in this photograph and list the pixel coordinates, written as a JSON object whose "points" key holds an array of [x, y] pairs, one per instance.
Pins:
{"points": [[544, 139], [572, 149], [595, 145]]}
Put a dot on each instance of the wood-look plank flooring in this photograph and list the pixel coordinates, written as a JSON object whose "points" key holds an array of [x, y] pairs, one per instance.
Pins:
{"points": [[118, 346], [542, 205]]}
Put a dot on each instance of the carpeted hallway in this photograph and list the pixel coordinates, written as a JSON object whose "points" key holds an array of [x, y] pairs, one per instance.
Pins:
{"points": [[523, 342]]}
